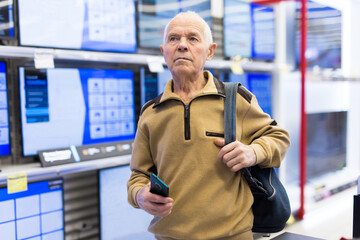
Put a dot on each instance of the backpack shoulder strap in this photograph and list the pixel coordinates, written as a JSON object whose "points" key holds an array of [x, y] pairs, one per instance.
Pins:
{"points": [[230, 111], [230, 119]]}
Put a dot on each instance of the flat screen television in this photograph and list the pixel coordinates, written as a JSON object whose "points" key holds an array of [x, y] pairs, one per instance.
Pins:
{"points": [[36, 213], [6, 19], [263, 18], [237, 24], [62, 107], [324, 35], [326, 143], [152, 84], [260, 84], [153, 15], [249, 30], [98, 25], [4, 113], [118, 219]]}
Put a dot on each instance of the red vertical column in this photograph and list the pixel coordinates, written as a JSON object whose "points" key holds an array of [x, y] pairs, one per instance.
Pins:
{"points": [[303, 125]]}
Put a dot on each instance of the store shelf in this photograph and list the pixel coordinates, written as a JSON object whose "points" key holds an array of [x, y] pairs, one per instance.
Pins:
{"points": [[35, 172], [112, 57]]}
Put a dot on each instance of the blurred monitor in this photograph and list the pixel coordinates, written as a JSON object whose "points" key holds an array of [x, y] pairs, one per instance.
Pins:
{"points": [[6, 19], [62, 107], [260, 84], [36, 213], [324, 35], [4, 113], [238, 35], [326, 143], [264, 32], [249, 30], [153, 16], [152, 84], [118, 219], [102, 25]]}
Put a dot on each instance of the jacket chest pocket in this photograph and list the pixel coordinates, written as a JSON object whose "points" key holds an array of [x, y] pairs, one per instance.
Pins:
{"points": [[214, 134]]}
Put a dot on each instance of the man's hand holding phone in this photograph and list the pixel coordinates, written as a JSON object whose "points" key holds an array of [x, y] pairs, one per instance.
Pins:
{"points": [[150, 200]]}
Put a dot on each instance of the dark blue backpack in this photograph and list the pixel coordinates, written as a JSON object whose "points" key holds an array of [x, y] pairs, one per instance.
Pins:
{"points": [[271, 205]]}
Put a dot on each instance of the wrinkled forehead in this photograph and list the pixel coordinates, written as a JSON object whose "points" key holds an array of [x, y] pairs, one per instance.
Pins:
{"points": [[186, 25]]}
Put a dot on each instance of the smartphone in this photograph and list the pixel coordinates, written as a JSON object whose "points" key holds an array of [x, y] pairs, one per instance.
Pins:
{"points": [[157, 186]]}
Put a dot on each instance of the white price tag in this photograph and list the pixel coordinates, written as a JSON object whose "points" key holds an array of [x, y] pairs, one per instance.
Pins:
{"points": [[42, 60], [155, 64]]}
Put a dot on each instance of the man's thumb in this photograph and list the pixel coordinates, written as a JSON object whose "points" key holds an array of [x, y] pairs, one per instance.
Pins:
{"points": [[219, 142]]}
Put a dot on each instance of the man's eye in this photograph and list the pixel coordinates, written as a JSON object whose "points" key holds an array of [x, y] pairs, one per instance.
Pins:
{"points": [[171, 39], [193, 39]]}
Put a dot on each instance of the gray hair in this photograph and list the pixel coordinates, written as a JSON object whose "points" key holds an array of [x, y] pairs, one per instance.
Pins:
{"points": [[207, 31]]}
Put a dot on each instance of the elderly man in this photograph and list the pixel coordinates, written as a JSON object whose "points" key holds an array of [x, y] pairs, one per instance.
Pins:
{"points": [[180, 138]]}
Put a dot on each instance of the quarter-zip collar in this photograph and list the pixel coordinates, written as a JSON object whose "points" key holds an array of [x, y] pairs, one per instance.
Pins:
{"points": [[212, 87]]}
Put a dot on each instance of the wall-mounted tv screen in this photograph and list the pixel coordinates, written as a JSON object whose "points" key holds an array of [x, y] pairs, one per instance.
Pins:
{"points": [[6, 19], [78, 24], [249, 30], [118, 219], [237, 29], [37, 213], [263, 18], [152, 84], [62, 107], [324, 34], [326, 143], [155, 14], [4, 113], [260, 84]]}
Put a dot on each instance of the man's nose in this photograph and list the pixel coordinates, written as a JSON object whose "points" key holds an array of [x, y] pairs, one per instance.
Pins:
{"points": [[182, 45]]}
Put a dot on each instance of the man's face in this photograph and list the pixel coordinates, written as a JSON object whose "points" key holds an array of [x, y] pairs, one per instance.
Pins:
{"points": [[185, 49]]}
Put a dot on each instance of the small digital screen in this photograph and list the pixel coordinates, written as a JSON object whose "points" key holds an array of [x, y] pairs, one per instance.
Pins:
{"points": [[237, 29], [101, 25], [249, 30], [324, 34], [118, 219], [62, 107], [153, 84], [260, 84], [6, 19], [4, 113], [36, 213], [264, 32], [155, 14]]}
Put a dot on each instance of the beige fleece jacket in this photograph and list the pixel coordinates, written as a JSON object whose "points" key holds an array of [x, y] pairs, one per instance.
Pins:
{"points": [[176, 141]]}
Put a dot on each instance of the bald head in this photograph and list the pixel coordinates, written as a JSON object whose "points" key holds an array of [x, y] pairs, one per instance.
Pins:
{"points": [[194, 16]]}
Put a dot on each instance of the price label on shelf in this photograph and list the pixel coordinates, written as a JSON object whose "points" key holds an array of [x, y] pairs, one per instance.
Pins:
{"points": [[17, 183]]}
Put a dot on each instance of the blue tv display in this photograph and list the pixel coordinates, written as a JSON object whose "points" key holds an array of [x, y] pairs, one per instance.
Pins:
{"points": [[4, 113], [260, 84], [62, 107], [118, 219], [263, 21], [324, 35], [6, 19], [99, 25], [249, 30], [155, 14], [37, 213], [152, 84]]}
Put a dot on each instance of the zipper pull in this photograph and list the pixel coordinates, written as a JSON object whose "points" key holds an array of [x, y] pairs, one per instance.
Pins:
{"points": [[186, 111]]}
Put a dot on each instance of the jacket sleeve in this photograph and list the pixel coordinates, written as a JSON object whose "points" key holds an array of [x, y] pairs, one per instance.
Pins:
{"points": [[141, 166], [269, 141]]}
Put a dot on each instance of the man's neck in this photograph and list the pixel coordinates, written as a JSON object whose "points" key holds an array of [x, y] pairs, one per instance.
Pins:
{"points": [[188, 86]]}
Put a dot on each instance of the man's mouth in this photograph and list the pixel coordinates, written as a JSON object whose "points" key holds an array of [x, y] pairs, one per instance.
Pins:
{"points": [[182, 58]]}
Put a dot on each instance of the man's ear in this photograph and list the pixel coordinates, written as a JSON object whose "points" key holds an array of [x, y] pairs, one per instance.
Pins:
{"points": [[162, 49], [212, 48]]}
